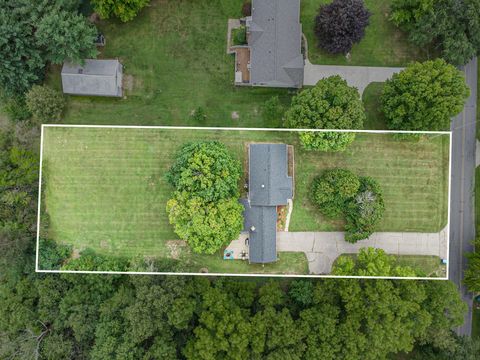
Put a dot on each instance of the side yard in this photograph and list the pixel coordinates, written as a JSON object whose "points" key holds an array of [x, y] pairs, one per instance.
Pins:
{"points": [[104, 189]]}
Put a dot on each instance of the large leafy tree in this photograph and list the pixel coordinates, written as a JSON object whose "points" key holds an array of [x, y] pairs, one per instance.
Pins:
{"points": [[339, 192], [452, 26], [341, 24], [125, 10], [472, 273], [371, 262], [424, 96], [206, 226], [205, 169], [330, 104], [35, 32]]}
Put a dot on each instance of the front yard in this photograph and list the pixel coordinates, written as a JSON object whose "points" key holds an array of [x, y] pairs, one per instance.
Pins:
{"points": [[383, 44], [104, 188]]}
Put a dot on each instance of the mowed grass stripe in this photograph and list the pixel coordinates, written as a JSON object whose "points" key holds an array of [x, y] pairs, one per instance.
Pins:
{"points": [[105, 189]]}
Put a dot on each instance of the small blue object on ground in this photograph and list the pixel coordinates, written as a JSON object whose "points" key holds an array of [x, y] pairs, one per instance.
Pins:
{"points": [[228, 255], [444, 261]]}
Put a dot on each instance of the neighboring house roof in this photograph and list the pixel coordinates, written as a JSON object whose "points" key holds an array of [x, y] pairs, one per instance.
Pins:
{"points": [[261, 223], [268, 186], [95, 77], [269, 183], [275, 40]]}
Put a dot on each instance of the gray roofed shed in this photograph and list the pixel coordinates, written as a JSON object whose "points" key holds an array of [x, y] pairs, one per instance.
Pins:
{"points": [[95, 77], [275, 40]]}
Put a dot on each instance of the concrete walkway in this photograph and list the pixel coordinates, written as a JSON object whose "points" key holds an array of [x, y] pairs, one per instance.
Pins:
{"points": [[322, 248], [357, 76]]}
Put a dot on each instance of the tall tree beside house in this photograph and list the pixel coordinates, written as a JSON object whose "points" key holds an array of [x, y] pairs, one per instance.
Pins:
{"points": [[330, 104], [33, 33], [450, 26], [125, 10], [204, 208], [341, 24], [424, 96]]}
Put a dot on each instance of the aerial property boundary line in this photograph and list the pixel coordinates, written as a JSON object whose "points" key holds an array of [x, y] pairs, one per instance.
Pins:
{"points": [[37, 269]]}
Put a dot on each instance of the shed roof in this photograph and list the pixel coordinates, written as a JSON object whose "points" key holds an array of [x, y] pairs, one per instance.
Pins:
{"points": [[95, 77], [269, 183], [275, 41], [261, 223]]}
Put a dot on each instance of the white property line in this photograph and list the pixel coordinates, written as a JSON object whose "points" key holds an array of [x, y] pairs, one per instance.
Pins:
{"points": [[37, 269]]}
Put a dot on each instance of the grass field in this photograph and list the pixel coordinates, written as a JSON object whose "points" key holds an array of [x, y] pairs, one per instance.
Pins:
{"points": [[175, 60], [104, 189], [371, 100], [383, 44]]}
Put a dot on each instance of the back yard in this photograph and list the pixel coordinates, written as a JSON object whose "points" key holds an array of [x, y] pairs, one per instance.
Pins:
{"points": [[104, 188]]}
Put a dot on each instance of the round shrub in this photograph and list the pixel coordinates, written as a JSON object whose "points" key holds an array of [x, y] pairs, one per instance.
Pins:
{"points": [[424, 96], [205, 169], [332, 189], [205, 226], [45, 104], [341, 24], [330, 104]]}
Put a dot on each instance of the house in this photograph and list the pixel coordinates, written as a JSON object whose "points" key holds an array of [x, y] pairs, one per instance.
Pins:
{"points": [[95, 77], [269, 186], [272, 56]]}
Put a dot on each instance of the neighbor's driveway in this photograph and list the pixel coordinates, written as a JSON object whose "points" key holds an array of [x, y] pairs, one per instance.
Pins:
{"points": [[357, 76], [322, 248]]}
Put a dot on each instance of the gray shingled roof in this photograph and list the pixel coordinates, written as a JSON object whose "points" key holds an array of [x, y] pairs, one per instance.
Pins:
{"points": [[261, 223], [95, 77], [269, 183], [268, 186], [275, 42]]}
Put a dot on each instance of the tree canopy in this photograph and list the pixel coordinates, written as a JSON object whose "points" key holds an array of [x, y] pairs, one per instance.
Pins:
{"points": [[205, 169], [340, 24], [424, 96], [450, 26], [33, 33], [339, 192], [371, 262], [330, 104], [125, 10]]}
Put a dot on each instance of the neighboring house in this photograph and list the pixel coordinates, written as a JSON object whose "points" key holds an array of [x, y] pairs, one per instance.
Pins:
{"points": [[272, 56], [269, 186], [95, 77]]}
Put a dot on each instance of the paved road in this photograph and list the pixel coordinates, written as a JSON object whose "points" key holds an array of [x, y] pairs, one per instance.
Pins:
{"points": [[462, 222], [322, 248], [357, 76]]}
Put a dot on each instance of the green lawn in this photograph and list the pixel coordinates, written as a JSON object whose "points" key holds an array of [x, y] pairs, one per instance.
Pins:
{"points": [[383, 44], [371, 100], [104, 189], [175, 60]]}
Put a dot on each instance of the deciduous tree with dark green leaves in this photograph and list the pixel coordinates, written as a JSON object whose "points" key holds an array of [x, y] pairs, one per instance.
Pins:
{"points": [[33, 33], [125, 10], [472, 273], [205, 169], [424, 96], [371, 262], [339, 192], [450, 26], [205, 226], [330, 104], [45, 103]]}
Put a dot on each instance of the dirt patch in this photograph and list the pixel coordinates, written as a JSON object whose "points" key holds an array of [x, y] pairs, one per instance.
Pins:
{"points": [[128, 82], [235, 115], [175, 247], [281, 217], [75, 254]]}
